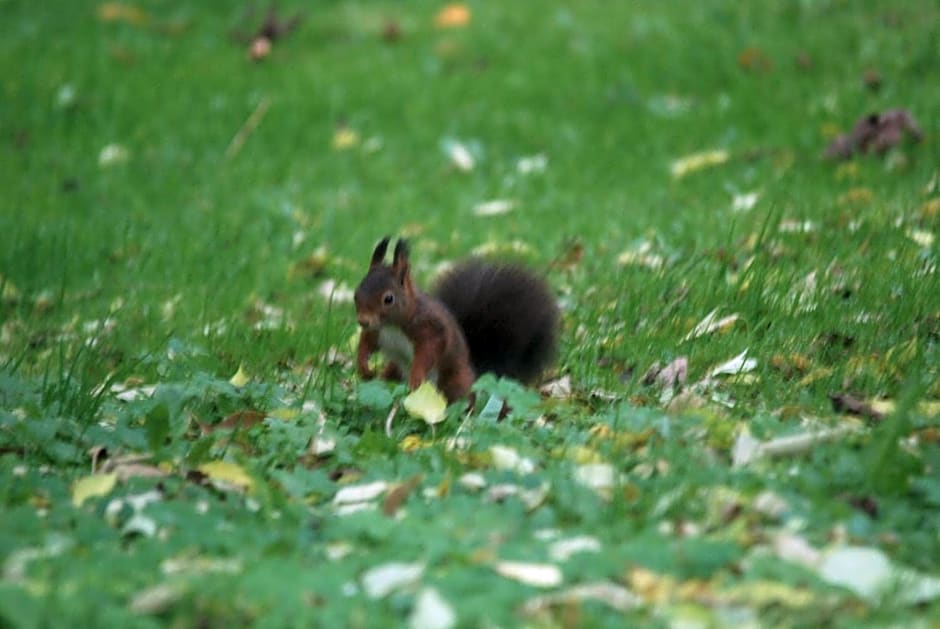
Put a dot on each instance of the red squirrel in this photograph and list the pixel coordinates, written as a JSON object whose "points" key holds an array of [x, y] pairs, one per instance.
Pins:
{"points": [[482, 317]]}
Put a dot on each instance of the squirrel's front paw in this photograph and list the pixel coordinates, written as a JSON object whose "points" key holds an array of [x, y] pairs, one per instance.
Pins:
{"points": [[366, 373]]}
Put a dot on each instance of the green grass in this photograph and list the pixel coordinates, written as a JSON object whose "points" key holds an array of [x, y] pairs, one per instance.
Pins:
{"points": [[157, 270]]}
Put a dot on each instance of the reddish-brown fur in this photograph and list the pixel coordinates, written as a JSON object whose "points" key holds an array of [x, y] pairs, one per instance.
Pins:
{"points": [[387, 298]]}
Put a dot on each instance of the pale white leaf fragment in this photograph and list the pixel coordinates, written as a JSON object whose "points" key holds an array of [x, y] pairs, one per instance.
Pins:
{"points": [[506, 458], [494, 207], [460, 155], [197, 565], [642, 255], [600, 477], [792, 226], [360, 493], [558, 389], [611, 594], [770, 504], [563, 549], [473, 481], [140, 524], [431, 611], [531, 498], [382, 580], [922, 237], [748, 449], [338, 550], [136, 393], [354, 507], [156, 599], [542, 575], [795, 549], [865, 571], [711, 323], [532, 164], [337, 292], [737, 365], [112, 155], [744, 202], [14, 568]]}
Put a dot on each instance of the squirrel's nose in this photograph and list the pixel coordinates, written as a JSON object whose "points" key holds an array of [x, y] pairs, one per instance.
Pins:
{"points": [[364, 322]]}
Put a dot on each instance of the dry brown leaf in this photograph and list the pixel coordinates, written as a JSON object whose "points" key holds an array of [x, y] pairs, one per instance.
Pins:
{"points": [[452, 16], [398, 494]]}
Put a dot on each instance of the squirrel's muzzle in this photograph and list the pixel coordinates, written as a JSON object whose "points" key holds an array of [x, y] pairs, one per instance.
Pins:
{"points": [[367, 323]]}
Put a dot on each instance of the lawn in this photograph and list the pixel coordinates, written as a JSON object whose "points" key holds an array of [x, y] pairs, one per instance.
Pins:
{"points": [[743, 423]]}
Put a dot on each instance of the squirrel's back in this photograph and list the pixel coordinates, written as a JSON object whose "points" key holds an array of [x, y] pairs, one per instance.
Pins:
{"points": [[508, 316]]}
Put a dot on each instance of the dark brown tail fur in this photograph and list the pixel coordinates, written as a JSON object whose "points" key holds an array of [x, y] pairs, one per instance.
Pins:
{"points": [[508, 316]]}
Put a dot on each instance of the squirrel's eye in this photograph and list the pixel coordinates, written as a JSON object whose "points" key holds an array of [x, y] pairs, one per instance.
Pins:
{"points": [[389, 299]]}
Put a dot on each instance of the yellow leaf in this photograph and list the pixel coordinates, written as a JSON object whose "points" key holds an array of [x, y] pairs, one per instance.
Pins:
{"points": [[426, 403], [345, 138], [227, 472], [697, 161], [412, 443], [284, 414], [118, 12], [92, 486], [452, 16], [240, 378]]}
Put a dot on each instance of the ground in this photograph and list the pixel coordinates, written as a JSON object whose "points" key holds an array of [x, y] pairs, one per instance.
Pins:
{"points": [[742, 424]]}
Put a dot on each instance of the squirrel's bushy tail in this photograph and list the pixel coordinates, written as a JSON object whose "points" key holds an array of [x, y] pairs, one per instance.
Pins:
{"points": [[508, 316]]}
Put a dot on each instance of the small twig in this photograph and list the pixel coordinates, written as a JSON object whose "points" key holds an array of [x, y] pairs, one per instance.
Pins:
{"points": [[248, 128], [389, 419]]}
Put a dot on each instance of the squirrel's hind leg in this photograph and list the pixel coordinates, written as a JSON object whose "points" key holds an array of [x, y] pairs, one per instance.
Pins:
{"points": [[393, 371]]}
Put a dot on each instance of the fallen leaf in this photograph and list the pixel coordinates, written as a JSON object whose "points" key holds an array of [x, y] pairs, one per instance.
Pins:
{"points": [[532, 164], [360, 493], [227, 473], [697, 161], [737, 365], [506, 458], [559, 389], [535, 574], [240, 378], [382, 580], [452, 16], [600, 477], [344, 138], [922, 237], [120, 12], [611, 594], [92, 486], [112, 155], [494, 207], [459, 155], [426, 403], [563, 549], [710, 324], [431, 611], [398, 494]]}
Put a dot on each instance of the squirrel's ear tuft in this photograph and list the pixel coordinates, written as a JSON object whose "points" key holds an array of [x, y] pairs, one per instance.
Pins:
{"points": [[400, 260], [378, 256]]}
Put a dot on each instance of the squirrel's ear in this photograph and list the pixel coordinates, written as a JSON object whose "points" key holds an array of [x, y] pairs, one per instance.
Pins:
{"points": [[400, 260], [378, 256]]}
